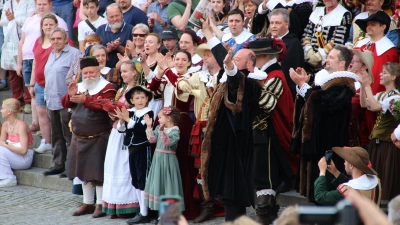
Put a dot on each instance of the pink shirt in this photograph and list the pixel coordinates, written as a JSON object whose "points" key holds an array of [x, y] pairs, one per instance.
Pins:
{"points": [[32, 31]]}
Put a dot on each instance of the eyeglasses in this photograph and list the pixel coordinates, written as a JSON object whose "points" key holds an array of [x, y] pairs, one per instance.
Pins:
{"points": [[139, 35]]}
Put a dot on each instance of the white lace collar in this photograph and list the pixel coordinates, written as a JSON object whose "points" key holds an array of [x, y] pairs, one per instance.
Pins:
{"points": [[100, 85], [365, 182], [334, 18], [139, 112], [105, 70], [261, 74], [167, 130], [242, 37], [324, 76]]}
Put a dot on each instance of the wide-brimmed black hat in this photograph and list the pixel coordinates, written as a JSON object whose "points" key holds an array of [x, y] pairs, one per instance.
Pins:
{"points": [[386, 3], [356, 156], [380, 17], [128, 95], [88, 61], [264, 46]]}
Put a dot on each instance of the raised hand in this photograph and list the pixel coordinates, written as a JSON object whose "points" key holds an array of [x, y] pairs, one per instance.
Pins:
{"points": [[148, 120], [365, 79], [299, 76], [228, 60], [72, 89], [162, 61]]}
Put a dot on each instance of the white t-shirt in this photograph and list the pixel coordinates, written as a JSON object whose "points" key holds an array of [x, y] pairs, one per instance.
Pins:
{"points": [[32, 31], [84, 29]]}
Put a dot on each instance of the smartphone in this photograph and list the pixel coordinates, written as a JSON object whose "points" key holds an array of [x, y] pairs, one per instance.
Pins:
{"points": [[328, 156], [170, 209]]}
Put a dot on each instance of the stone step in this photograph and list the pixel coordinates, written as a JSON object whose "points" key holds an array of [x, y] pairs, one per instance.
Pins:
{"points": [[34, 177], [291, 198], [42, 160]]}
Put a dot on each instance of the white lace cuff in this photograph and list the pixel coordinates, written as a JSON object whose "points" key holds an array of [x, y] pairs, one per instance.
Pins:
{"points": [[213, 42], [231, 72], [121, 127], [397, 132], [303, 90], [266, 192]]}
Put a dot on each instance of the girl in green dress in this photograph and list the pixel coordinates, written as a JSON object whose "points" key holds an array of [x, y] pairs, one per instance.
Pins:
{"points": [[164, 176]]}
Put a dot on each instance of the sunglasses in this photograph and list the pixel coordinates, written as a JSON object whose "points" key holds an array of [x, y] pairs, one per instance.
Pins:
{"points": [[139, 35]]}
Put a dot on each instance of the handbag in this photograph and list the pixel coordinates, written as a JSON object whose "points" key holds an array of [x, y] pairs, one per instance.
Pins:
{"points": [[9, 54]]}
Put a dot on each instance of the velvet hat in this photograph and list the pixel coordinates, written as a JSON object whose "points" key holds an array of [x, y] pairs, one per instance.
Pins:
{"points": [[88, 61], [356, 156], [128, 95], [265, 46], [380, 17]]}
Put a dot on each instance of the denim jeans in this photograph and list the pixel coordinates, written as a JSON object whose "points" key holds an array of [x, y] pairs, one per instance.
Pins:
{"points": [[66, 13], [27, 70]]}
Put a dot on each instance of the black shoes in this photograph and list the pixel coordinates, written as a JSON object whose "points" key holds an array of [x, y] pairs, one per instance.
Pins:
{"points": [[62, 175], [53, 171], [139, 219]]}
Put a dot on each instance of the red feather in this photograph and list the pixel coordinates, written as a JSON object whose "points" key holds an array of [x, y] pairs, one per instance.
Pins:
{"points": [[279, 45]]}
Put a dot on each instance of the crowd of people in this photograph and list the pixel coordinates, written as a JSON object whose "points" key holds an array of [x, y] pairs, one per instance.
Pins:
{"points": [[255, 99]]}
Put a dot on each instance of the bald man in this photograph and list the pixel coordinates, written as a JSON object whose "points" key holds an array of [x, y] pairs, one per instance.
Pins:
{"points": [[227, 149]]}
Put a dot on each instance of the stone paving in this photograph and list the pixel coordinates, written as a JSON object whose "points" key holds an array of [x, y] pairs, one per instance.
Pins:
{"points": [[36, 206]]}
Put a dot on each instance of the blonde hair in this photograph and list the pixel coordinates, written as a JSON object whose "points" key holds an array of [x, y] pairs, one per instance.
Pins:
{"points": [[13, 105]]}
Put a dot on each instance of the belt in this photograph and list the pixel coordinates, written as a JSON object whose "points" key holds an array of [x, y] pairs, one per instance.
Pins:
{"points": [[91, 136]]}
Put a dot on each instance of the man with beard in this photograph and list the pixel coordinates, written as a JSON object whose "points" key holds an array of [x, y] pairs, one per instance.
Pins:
{"points": [[132, 14], [274, 165], [201, 84], [55, 71], [328, 26], [114, 34], [91, 127], [227, 149], [322, 116]]}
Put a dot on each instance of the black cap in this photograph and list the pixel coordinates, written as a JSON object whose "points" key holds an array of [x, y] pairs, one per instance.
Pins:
{"points": [[88, 61], [380, 17], [169, 33]]}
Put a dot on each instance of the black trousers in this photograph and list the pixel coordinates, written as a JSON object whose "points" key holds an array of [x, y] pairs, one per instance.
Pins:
{"points": [[139, 165], [232, 212], [270, 164]]}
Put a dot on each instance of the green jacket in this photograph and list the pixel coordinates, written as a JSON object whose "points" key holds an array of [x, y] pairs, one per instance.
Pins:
{"points": [[325, 197]]}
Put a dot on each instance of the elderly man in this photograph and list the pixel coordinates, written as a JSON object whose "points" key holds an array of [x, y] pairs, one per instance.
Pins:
{"points": [[322, 115], [114, 34], [279, 27], [272, 129], [91, 127], [357, 166], [372, 7], [383, 51], [157, 16], [132, 14], [55, 71], [238, 36], [227, 149], [328, 26]]}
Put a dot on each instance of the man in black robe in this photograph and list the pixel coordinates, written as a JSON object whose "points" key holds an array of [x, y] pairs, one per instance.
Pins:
{"points": [[227, 149], [322, 116]]}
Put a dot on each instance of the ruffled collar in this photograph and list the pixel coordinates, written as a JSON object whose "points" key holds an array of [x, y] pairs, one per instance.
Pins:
{"points": [[384, 101], [324, 76], [261, 74], [105, 70], [139, 112], [365, 182]]}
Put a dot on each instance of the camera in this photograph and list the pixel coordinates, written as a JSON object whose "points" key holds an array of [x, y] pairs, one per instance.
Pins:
{"points": [[170, 209], [328, 156], [343, 213]]}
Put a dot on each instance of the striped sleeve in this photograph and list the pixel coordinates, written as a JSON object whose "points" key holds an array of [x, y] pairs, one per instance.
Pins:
{"points": [[270, 94]]}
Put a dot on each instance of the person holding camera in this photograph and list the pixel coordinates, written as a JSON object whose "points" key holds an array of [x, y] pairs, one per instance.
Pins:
{"points": [[357, 165]]}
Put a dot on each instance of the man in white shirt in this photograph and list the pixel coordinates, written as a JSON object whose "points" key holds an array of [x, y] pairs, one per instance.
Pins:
{"points": [[90, 25]]}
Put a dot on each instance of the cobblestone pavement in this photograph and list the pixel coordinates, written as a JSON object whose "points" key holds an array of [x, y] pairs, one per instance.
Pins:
{"points": [[29, 205]]}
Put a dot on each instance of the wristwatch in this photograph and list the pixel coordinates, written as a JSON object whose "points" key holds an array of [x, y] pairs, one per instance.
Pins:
{"points": [[165, 23]]}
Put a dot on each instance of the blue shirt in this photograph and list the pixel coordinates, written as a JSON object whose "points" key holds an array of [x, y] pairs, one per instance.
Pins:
{"points": [[60, 2], [134, 16], [55, 71], [155, 7], [125, 33]]}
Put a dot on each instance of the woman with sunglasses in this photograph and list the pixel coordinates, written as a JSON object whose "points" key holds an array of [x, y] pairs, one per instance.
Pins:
{"points": [[167, 82], [139, 33]]}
